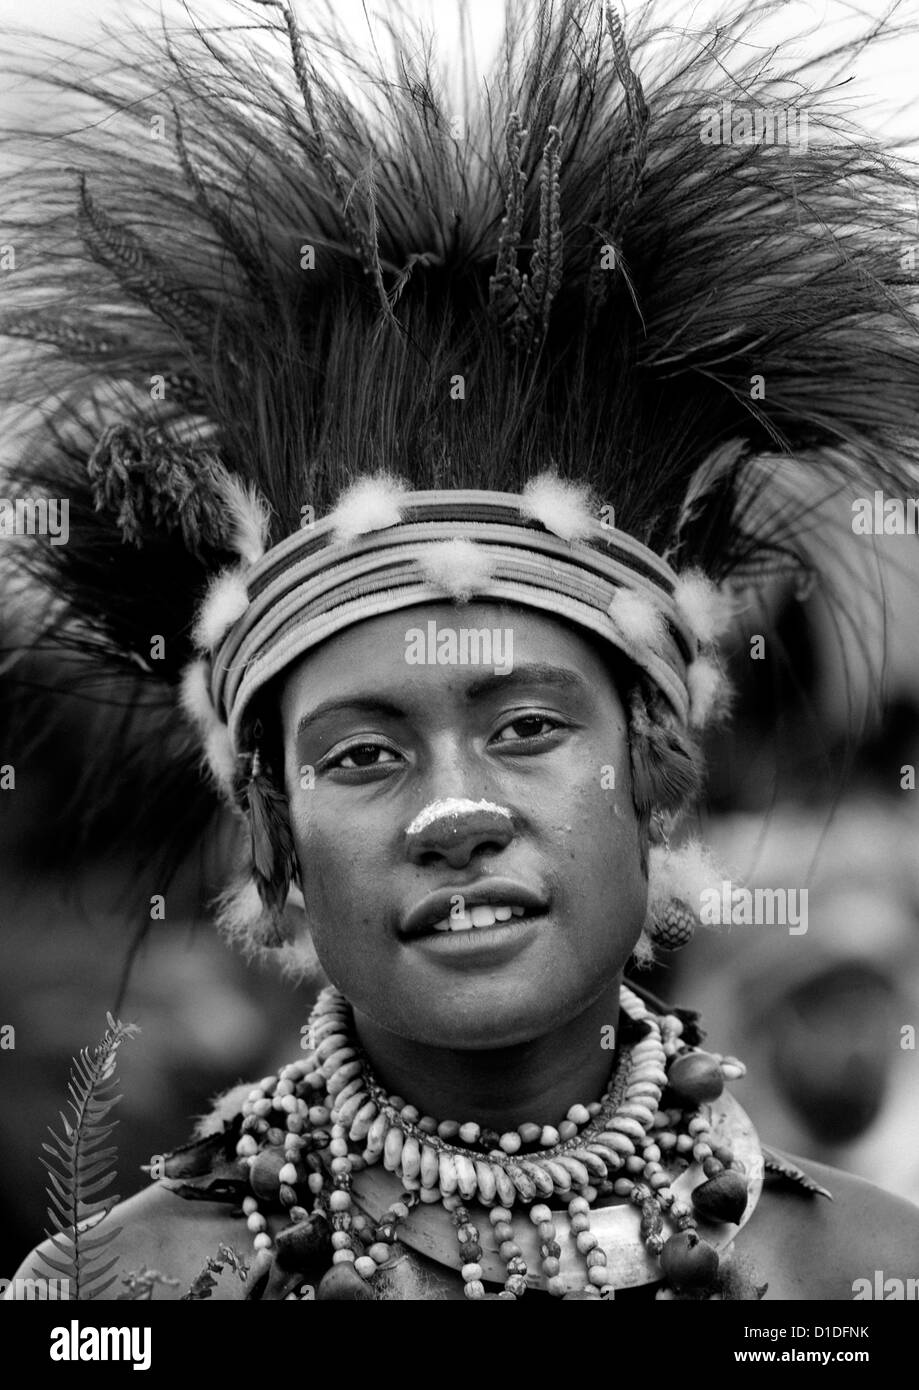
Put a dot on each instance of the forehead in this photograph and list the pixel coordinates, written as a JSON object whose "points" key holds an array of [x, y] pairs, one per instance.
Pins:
{"points": [[445, 647]]}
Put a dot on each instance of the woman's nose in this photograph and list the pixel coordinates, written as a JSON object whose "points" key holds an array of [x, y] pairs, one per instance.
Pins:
{"points": [[455, 831]]}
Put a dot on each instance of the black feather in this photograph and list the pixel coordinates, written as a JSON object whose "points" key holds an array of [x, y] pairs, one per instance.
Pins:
{"points": [[182, 259]]}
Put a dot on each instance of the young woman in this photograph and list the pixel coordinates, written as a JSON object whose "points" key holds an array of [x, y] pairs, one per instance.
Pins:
{"points": [[469, 429]]}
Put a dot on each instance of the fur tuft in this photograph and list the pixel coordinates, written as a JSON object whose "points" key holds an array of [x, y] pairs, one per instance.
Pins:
{"points": [[706, 608], [636, 618], [684, 873], [708, 691], [198, 706], [459, 568], [195, 695], [564, 508], [255, 929], [297, 960], [224, 1108], [239, 911], [248, 517], [370, 504], [226, 601], [643, 957], [218, 751]]}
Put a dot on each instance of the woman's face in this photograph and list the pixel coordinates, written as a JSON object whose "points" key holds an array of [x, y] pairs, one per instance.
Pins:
{"points": [[374, 741]]}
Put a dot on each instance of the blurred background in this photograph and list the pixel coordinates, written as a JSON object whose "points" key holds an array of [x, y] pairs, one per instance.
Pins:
{"points": [[806, 790]]}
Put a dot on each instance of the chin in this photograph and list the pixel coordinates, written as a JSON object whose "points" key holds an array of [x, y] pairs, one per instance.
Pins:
{"points": [[511, 1019], [482, 1033]]}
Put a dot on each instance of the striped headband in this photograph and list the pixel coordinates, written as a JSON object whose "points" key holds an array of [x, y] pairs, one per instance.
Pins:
{"points": [[384, 549]]}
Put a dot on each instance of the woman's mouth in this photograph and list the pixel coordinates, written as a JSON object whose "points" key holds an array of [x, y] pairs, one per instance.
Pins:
{"points": [[456, 943], [483, 915], [488, 904]]}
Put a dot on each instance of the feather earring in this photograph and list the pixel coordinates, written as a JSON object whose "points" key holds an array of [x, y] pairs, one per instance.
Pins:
{"points": [[270, 836], [254, 911]]}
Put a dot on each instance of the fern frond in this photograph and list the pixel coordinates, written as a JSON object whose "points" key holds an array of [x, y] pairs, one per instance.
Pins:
{"points": [[79, 1169]]}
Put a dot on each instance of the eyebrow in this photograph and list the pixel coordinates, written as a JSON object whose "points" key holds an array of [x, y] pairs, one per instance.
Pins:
{"points": [[535, 673]]}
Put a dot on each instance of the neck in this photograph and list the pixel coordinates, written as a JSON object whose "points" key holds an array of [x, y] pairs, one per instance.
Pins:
{"points": [[503, 1087]]}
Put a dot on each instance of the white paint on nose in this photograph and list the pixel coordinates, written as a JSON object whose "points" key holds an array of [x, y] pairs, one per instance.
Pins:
{"points": [[451, 808]]}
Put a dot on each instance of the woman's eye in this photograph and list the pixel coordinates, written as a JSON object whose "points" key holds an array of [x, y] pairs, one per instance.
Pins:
{"points": [[364, 755], [527, 726]]}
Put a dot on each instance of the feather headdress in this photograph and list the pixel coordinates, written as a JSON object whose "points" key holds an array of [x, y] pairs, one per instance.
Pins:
{"points": [[257, 281]]}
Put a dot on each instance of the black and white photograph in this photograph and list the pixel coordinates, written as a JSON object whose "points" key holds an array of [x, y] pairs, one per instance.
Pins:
{"points": [[459, 666]]}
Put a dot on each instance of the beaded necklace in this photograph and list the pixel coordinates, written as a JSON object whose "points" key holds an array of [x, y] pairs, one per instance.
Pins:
{"points": [[338, 1122]]}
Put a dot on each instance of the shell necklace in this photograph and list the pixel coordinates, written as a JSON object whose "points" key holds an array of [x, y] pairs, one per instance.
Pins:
{"points": [[656, 1138]]}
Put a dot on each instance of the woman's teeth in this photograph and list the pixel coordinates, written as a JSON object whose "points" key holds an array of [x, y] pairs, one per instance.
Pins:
{"points": [[483, 915]]}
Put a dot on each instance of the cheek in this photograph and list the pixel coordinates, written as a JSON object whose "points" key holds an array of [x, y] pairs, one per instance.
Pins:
{"points": [[602, 847], [327, 849], [340, 903], [599, 807]]}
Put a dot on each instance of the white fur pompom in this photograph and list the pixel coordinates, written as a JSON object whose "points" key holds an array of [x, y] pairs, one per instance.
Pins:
{"points": [[195, 696], [224, 1108], [636, 618], [249, 519], [643, 951], [226, 601], [245, 921], [221, 760], [297, 960], [239, 912], [706, 609], [562, 507], [707, 690], [371, 504], [459, 568], [684, 873]]}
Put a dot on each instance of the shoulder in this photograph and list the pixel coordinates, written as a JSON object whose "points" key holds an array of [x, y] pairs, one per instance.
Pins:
{"points": [[809, 1247], [157, 1230]]}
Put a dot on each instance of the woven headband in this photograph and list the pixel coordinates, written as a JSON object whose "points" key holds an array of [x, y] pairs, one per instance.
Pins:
{"points": [[384, 549]]}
